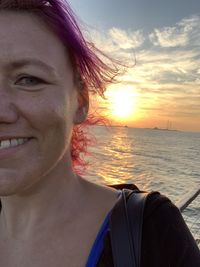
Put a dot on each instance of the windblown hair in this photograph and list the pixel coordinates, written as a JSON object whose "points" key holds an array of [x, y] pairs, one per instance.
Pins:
{"points": [[85, 58]]}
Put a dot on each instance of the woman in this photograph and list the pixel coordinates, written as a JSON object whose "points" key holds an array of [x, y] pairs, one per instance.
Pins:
{"points": [[50, 216]]}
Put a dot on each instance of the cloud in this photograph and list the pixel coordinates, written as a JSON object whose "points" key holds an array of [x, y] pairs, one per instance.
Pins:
{"points": [[116, 40], [169, 37], [126, 39], [175, 36]]}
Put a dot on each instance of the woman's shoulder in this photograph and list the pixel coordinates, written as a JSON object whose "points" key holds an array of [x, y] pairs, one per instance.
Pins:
{"points": [[165, 230], [155, 200]]}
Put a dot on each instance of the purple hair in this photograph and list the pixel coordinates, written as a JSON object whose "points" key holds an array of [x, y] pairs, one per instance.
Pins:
{"points": [[85, 58]]}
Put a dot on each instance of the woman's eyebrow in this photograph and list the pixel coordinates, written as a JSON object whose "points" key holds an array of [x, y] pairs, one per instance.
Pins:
{"points": [[30, 62]]}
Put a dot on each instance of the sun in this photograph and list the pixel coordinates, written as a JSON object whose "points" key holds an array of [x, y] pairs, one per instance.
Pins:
{"points": [[122, 102]]}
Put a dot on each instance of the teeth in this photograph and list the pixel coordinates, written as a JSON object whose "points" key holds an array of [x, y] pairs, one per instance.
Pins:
{"points": [[12, 142], [5, 144], [21, 141]]}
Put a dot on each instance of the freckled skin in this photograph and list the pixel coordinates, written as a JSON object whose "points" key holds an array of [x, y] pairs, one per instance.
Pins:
{"points": [[45, 111]]}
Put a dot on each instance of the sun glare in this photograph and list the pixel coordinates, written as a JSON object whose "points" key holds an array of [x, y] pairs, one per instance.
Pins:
{"points": [[122, 102]]}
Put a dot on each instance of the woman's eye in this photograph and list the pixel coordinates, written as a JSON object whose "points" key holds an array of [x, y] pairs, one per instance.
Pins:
{"points": [[29, 80]]}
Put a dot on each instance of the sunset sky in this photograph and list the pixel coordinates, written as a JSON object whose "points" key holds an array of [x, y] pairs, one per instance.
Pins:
{"points": [[163, 88]]}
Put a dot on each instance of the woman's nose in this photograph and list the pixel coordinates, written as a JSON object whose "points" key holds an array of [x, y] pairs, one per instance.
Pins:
{"points": [[8, 110]]}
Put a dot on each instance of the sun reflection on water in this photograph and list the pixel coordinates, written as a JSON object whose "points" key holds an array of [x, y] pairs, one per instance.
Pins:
{"points": [[118, 158]]}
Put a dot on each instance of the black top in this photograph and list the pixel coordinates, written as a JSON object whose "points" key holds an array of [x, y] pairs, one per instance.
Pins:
{"points": [[166, 240]]}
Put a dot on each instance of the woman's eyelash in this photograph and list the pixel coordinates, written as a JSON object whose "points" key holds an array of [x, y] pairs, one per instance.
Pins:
{"points": [[38, 80]]}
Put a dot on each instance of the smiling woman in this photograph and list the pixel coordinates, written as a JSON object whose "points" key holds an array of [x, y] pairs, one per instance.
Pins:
{"points": [[49, 215]]}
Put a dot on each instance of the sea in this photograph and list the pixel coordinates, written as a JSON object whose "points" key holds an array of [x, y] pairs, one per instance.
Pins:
{"points": [[155, 160]]}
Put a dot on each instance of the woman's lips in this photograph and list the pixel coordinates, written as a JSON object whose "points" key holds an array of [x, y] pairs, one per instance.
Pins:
{"points": [[9, 147]]}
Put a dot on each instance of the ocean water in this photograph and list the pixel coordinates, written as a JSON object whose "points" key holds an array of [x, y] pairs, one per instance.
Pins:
{"points": [[164, 161]]}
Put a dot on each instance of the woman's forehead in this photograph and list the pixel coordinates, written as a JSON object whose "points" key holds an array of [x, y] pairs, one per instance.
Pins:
{"points": [[28, 36]]}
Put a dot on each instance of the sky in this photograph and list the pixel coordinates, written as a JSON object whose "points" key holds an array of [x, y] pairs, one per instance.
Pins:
{"points": [[160, 42]]}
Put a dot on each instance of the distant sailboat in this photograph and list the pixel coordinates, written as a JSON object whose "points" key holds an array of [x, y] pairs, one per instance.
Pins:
{"points": [[168, 127]]}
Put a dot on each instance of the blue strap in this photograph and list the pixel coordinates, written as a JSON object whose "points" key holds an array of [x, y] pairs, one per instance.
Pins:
{"points": [[98, 244]]}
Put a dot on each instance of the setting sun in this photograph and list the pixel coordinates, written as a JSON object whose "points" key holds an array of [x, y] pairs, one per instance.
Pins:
{"points": [[122, 102]]}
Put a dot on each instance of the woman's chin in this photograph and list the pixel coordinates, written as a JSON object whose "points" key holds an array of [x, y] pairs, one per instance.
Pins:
{"points": [[10, 183]]}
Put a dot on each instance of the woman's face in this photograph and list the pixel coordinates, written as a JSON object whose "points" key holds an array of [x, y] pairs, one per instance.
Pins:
{"points": [[38, 101]]}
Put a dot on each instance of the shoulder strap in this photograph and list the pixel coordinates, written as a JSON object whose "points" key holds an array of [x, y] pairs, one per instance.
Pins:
{"points": [[135, 207], [126, 229], [122, 247]]}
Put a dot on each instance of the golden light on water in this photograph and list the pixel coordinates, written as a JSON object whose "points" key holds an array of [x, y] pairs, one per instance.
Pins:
{"points": [[123, 102]]}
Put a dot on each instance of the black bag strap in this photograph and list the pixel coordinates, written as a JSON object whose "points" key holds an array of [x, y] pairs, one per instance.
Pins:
{"points": [[135, 207], [126, 228], [122, 247]]}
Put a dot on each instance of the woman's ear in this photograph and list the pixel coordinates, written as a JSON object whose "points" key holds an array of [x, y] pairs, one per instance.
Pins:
{"points": [[83, 104]]}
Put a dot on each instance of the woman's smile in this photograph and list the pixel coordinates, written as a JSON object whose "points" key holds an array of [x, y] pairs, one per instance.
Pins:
{"points": [[11, 146], [7, 143]]}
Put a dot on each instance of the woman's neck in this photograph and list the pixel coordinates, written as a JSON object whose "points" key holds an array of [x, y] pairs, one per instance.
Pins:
{"points": [[53, 199]]}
